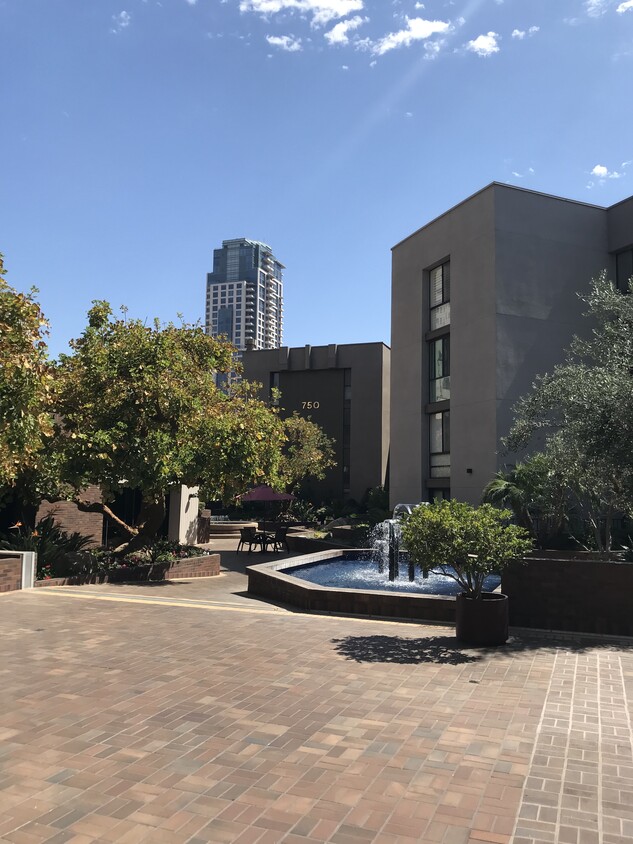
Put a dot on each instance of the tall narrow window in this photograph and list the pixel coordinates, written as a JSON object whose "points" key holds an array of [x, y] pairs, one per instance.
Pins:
{"points": [[440, 444], [347, 429], [440, 295], [440, 369]]}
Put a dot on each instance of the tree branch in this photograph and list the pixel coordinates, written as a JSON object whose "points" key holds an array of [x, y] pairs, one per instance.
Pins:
{"points": [[101, 507]]}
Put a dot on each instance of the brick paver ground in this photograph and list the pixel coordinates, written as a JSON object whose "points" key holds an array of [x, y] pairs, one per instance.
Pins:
{"points": [[191, 713]]}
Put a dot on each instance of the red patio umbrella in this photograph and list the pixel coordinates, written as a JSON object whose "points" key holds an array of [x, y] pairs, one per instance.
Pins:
{"points": [[266, 493], [263, 492]]}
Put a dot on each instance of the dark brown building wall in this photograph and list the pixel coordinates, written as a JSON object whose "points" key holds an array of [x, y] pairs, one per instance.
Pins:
{"points": [[71, 519], [310, 374]]}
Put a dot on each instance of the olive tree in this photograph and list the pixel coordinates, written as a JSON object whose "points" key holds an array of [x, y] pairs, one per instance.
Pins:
{"points": [[583, 412]]}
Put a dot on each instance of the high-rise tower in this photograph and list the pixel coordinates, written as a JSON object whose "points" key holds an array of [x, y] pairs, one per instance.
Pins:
{"points": [[245, 295]]}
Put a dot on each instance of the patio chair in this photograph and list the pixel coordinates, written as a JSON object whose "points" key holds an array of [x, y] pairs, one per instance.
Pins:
{"points": [[279, 539], [249, 535]]}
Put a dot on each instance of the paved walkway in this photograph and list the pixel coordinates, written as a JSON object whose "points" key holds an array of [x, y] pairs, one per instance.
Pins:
{"points": [[192, 713]]}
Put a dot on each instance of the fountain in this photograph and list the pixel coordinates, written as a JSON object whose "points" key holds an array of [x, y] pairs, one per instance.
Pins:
{"points": [[385, 544], [362, 582]]}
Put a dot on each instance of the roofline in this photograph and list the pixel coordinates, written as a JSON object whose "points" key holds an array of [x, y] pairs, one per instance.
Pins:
{"points": [[621, 202], [509, 187], [252, 242], [324, 346]]}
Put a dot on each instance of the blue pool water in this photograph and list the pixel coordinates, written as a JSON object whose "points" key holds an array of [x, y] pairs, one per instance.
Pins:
{"points": [[354, 573]]}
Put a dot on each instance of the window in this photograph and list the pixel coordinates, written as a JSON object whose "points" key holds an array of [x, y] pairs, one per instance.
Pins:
{"points": [[347, 429], [440, 369], [439, 495], [623, 269], [440, 295], [440, 444]]}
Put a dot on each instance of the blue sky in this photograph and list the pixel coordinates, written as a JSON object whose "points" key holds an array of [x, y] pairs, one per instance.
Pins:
{"points": [[138, 134]]}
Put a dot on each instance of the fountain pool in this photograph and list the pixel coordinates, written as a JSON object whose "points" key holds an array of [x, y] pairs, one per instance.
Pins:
{"points": [[280, 581], [353, 572], [378, 581]]}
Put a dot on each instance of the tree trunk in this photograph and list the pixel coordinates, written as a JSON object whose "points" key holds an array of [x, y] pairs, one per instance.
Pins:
{"points": [[608, 527], [150, 521]]}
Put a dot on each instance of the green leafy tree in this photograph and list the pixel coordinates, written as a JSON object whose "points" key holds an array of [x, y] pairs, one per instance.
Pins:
{"points": [[25, 382], [139, 408], [307, 452], [466, 543], [582, 413]]}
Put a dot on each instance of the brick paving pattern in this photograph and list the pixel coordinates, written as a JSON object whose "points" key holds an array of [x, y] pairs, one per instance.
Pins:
{"points": [[580, 785], [190, 713]]}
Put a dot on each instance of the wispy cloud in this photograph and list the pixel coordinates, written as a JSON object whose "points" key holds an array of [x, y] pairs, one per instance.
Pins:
{"points": [[339, 32], [520, 34], [528, 172], [484, 45], [625, 7], [285, 42], [417, 29], [322, 11], [596, 8], [120, 22]]}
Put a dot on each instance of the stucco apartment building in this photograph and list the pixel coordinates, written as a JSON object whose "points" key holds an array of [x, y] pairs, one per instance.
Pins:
{"points": [[484, 298]]}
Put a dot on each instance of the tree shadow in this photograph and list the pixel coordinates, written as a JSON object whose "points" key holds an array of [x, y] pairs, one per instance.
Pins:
{"points": [[446, 650], [440, 650]]}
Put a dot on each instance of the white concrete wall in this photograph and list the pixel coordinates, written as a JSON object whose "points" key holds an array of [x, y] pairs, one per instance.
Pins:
{"points": [[183, 515]]}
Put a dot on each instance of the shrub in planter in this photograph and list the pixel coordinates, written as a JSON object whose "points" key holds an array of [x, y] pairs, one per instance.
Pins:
{"points": [[467, 544], [151, 563]]}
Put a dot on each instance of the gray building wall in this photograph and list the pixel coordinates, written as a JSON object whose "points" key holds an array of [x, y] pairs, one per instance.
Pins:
{"points": [[316, 374], [620, 220], [517, 261]]}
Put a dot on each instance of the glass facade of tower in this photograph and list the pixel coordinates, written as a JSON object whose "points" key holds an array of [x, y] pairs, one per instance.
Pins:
{"points": [[245, 295]]}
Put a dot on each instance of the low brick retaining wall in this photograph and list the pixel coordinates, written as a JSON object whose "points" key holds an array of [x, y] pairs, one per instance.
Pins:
{"points": [[207, 566], [10, 574], [268, 580], [580, 595]]}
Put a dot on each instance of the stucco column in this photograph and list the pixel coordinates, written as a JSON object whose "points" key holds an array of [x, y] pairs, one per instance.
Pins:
{"points": [[183, 514]]}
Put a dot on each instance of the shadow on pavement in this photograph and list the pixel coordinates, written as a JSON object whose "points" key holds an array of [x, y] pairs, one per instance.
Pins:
{"points": [[447, 650], [436, 649]]}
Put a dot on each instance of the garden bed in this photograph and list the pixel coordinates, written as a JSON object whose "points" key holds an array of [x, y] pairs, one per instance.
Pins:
{"points": [[204, 566]]}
